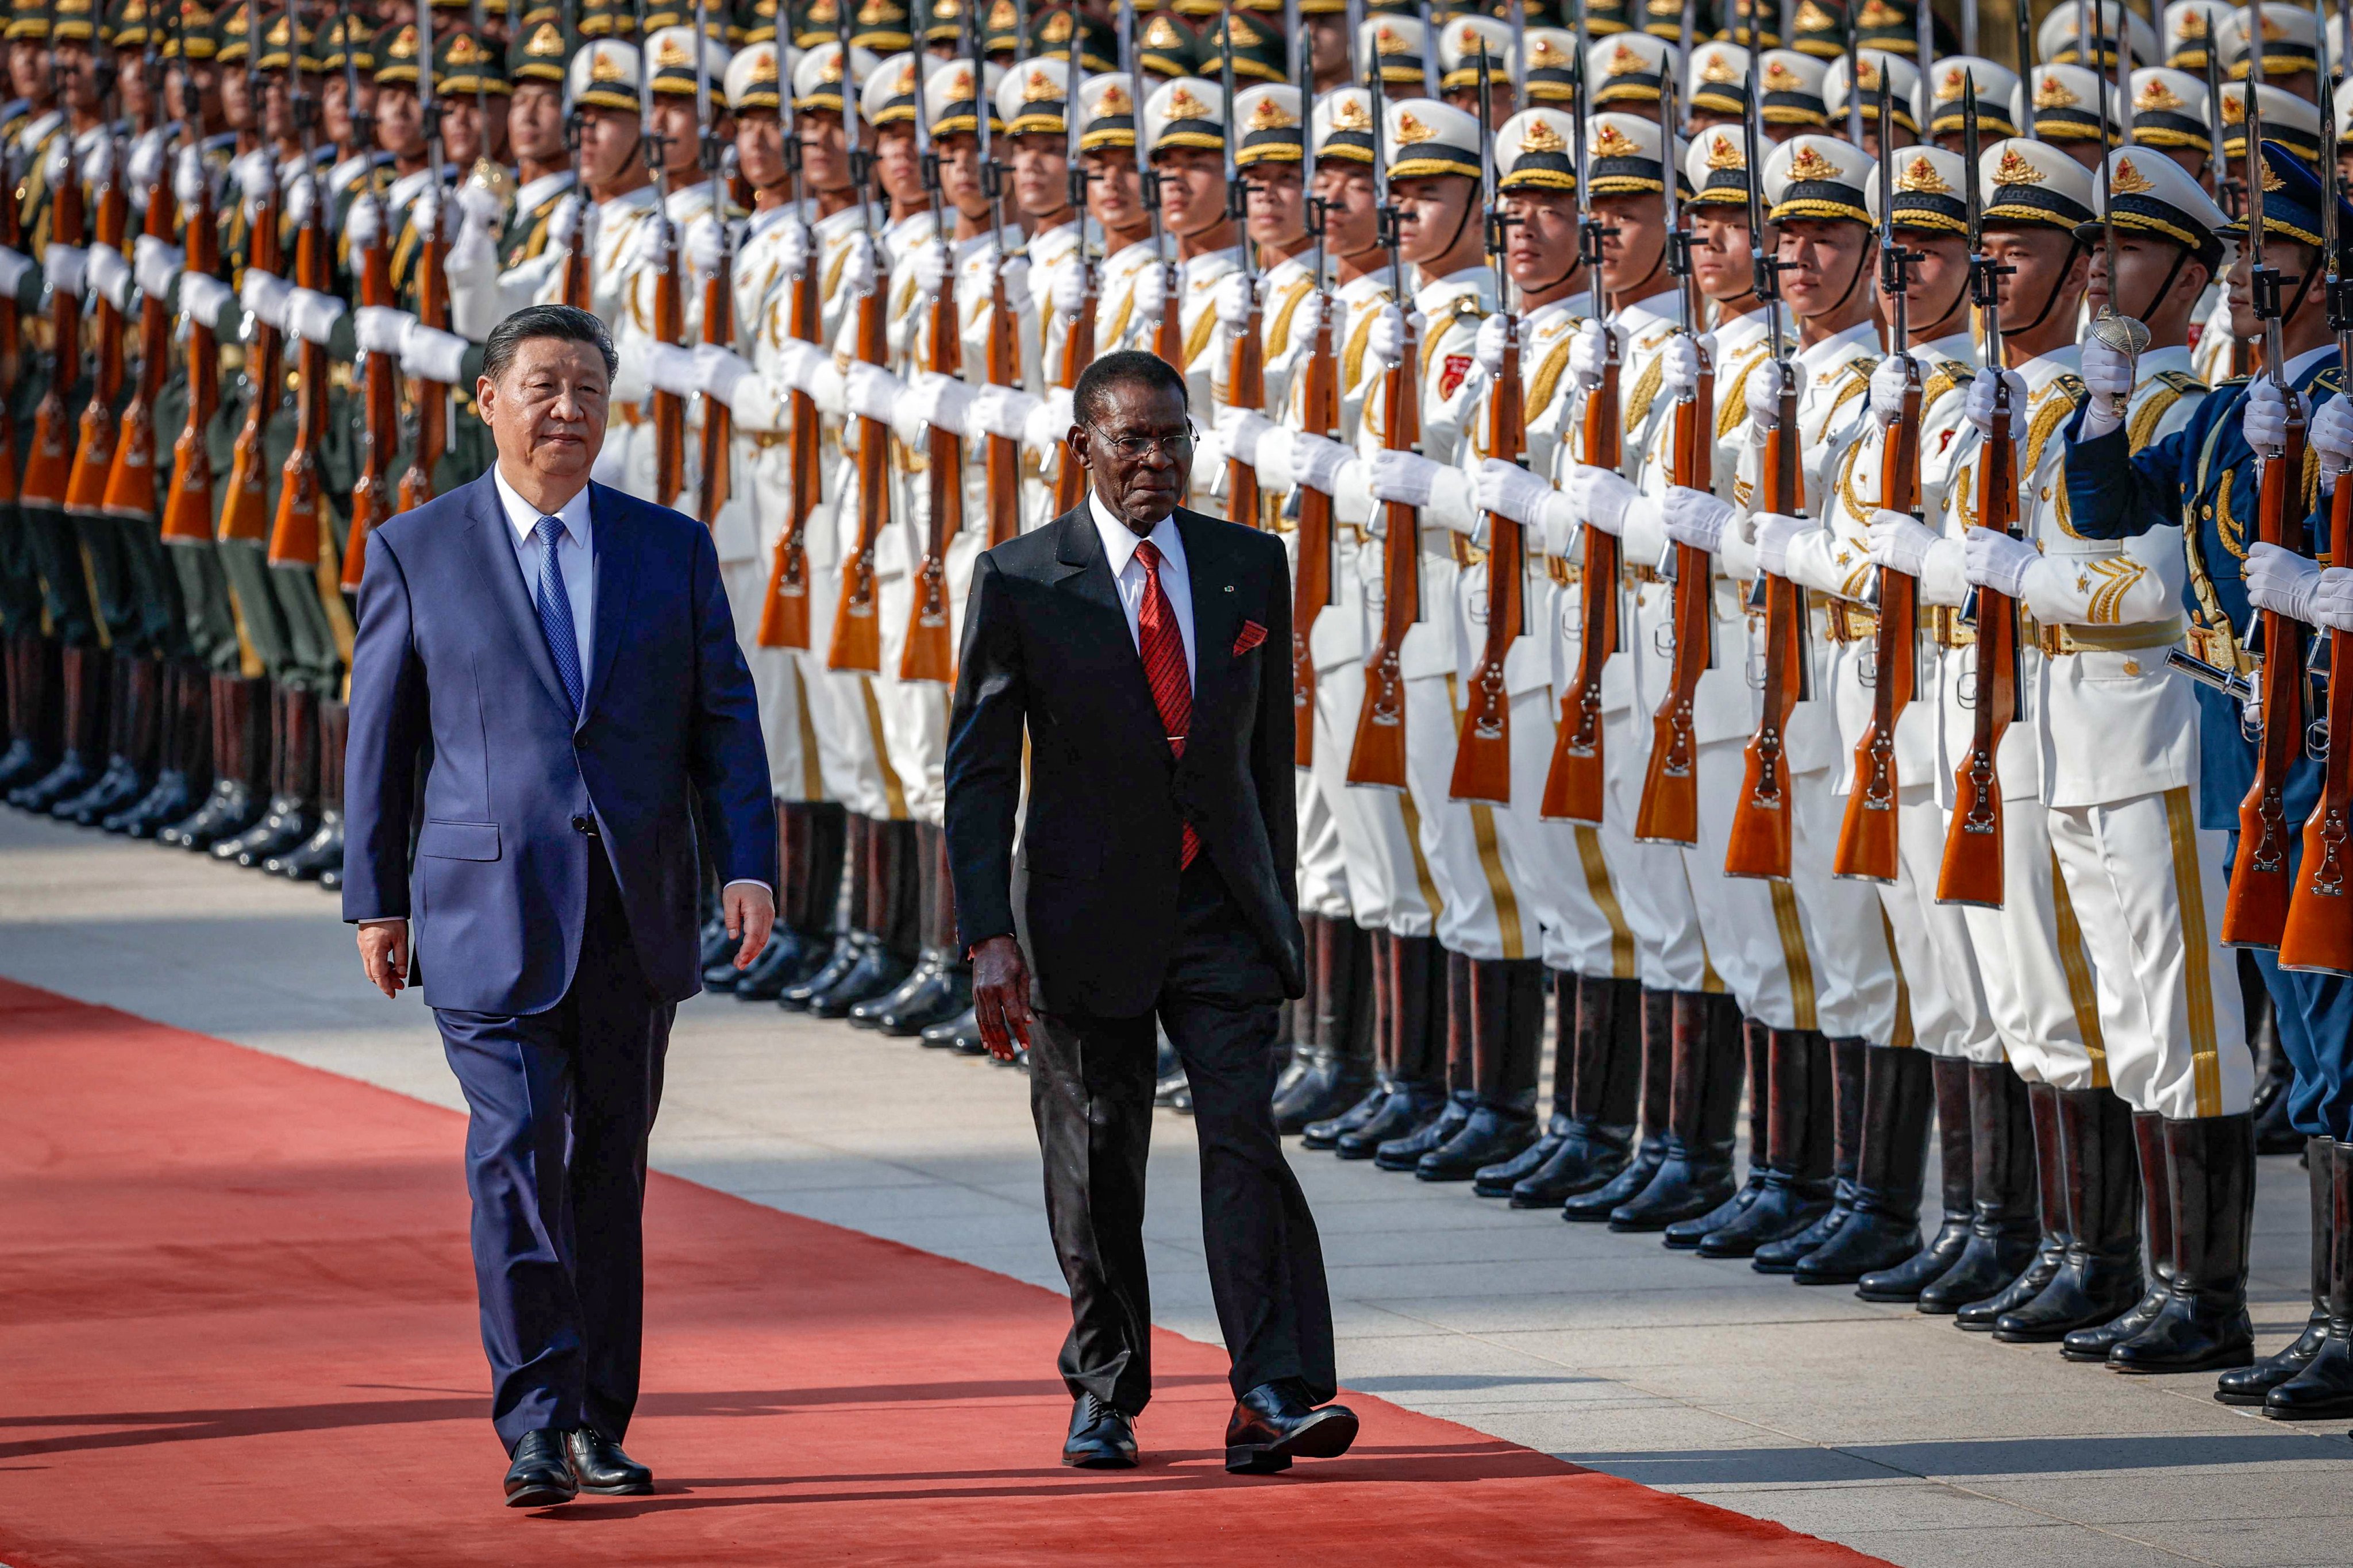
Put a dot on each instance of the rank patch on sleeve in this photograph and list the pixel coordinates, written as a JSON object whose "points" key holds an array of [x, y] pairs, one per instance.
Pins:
{"points": [[1457, 367]]}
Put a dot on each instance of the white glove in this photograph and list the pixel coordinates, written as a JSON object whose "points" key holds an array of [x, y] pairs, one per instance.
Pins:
{"points": [[474, 250], [1489, 346], [1240, 431], [1307, 318], [570, 213], [480, 206], [189, 182], [706, 242], [1587, 354], [263, 295], [1887, 386], [872, 392], [719, 371], [1775, 534], [2331, 438], [302, 198], [940, 401], [256, 176], [363, 225], [2110, 375], [1151, 296], [2332, 603], [429, 353], [53, 168], [1510, 490], [1317, 460], [798, 363], [1235, 298], [671, 369], [2282, 580], [1678, 368], [1697, 517], [1208, 452], [98, 164], [1762, 394], [1049, 423], [1979, 405], [146, 161], [795, 246], [379, 328], [203, 298], [2265, 420], [154, 263], [311, 316], [1900, 542], [1384, 344], [1406, 478], [1994, 560], [14, 266], [999, 411], [931, 265], [862, 269], [63, 266], [425, 214], [1068, 293], [1013, 272], [1598, 496], [109, 275]]}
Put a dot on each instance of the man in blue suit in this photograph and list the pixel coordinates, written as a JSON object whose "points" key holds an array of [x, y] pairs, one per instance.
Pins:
{"points": [[545, 682]]}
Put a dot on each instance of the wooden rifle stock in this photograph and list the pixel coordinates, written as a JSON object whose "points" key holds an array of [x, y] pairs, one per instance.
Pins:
{"points": [[573, 289], [857, 642], [93, 457], [1168, 332], [50, 464], [785, 614], [718, 420], [1574, 784], [1759, 844], [1246, 388], [1311, 576], [1482, 750], [244, 510], [12, 338], [380, 427], [1867, 840], [1669, 810], [1002, 454], [432, 396], [188, 504], [927, 656], [294, 536], [669, 408], [1378, 755], [1078, 353], [2318, 931], [130, 478], [2254, 914], [1971, 872]]}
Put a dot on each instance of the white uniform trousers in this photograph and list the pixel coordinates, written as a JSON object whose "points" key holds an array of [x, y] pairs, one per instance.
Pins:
{"points": [[1857, 994], [1389, 888], [1480, 914], [1323, 865], [1756, 933], [2037, 973], [1943, 992], [764, 476], [1559, 869], [1652, 889], [845, 713], [2148, 891]]}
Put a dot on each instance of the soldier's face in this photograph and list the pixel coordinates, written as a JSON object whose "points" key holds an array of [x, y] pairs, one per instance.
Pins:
{"points": [[674, 120], [461, 131], [960, 176], [1275, 203], [1327, 45], [1822, 264], [824, 156], [71, 56], [1631, 256], [2143, 267], [1351, 221], [399, 127], [1041, 184], [608, 144], [1114, 194], [898, 167], [1433, 214], [1939, 275], [277, 118], [1192, 188], [547, 412], [28, 69], [131, 82], [192, 92], [1499, 97], [2293, 260], [2042, 260], [760, 148], [335, 109], [1540, 238], [1722, 257], [536, 121]]}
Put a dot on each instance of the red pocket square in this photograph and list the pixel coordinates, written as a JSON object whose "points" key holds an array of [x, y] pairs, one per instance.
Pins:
{"points": [[1252, 634]]}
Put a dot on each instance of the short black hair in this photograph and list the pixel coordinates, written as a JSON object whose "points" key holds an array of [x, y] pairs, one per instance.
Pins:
{"points": [[1128, 367], [568, 323]]}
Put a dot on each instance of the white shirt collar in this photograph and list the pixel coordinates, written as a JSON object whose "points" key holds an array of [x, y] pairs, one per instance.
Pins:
{"points": [[523, 518], [1119, 541]]}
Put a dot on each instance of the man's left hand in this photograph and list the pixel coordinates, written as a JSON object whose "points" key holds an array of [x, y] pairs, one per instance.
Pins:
{"points": [[751, 910]]}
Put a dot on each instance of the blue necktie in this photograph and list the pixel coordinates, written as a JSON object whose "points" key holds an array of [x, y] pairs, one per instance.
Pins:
{"points": [[555, 612]]}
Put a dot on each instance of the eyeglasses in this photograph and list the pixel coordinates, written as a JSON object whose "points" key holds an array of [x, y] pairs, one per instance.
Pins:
{"points": [[1137, 448]]}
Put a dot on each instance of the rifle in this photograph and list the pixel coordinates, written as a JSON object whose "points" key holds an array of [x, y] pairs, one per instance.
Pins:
{"points": [[1867, 840], [1972, 869], [244, 510], [94, 450], [380, 373], [1668, 812], [574, 289], [857, 643], [1245, 365], [2231, 194], [667, 410], [1378, 756], [129, 490], [1759, 844], [1001, 456], [294, 539], [785, 614], [1482, 752], [1078, 340], [718, 288], [1311, 582], [1574, 784], [432, 284], [926, 655], [50, 466], [1168, 332], [2255, 913], [2316, 935], [188, 505]]}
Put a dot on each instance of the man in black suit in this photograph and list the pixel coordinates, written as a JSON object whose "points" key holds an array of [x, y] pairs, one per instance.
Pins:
{"points": [[1144, 650]]}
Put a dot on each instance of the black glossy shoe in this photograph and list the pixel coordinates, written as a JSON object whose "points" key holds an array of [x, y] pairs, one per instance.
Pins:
{"points": [[2248, 1384], [847, 948], [1785, 1207], [1403, 1154], [1869, 1240], [285, 824], [1488, 1136], [1273, 1425], [1685, 1235], [868, 1013], [937, 991], [1101, 1438], [310, 860], [1496, 1180], [541, 1475], [73, 775], [120, 786], [1907, 1280], [600, 1467], [960, 1034], [1405, 1106], [22, 762], [1781, 1257], [1332, 1084], [1589, 1157], [1327, 1134], [789, 957], [166, 800], [1689, 1182], [1595, 1203], [2323, 1391], [877, 971], [1980, 1317], [228, 809]]}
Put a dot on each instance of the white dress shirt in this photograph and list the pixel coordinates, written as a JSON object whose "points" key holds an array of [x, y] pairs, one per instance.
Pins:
{"points": [[576, 558], [1119, 543]]}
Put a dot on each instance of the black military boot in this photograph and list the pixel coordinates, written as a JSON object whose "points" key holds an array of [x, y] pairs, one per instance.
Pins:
{"points": [[1417, 1092], [2274, 1133], [892, 920], [130, 743], [320, 857], [1846, 1073], [79, 764], [1655, 1016], [1602, 1091], [32, 718], [2324, 1389], [240, 713], [293, 813], [2001, 1192], [2210, 1164], [1756, 1050], [2101, 1276], [2251, 1384], [2050, 1211], [1298, 1039], [186, 752], [1882, 1227], [1506, 1026], [1453, 1018], [940, 988], [1798, 1135], [261, 758], [1496, 1180], [848, 943], [1907, 1280], [1703, 1108], [2093, 1341], [1379, 1028], [1339, 1012]]}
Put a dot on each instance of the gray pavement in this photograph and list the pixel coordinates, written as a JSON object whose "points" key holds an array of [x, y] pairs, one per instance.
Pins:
{"points": [[1872, 1425]]}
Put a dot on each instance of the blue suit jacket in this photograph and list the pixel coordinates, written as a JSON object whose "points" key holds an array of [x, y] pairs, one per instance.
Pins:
{"points": [[451, 667]]}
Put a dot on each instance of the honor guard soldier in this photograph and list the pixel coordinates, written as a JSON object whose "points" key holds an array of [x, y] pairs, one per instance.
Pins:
{"points": [[2171, 114], [516, 235], [1902, 79], [1790, 94], [1175, 304]]}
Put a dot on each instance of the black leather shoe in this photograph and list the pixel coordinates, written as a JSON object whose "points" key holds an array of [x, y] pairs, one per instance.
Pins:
{"points": [[1589, 1157], [1781, 1257], [171, 799], [1496, 1180], [939, 990], [118, 786], [1490, 1134], [960, 1034], [317, 855], [1786, 1206], [847, 948], [1405, 1152], [1595, 1202], [1101, 1438], [541, 1477], [1327, 1134], [1684, 1234], [877, 971], [1273, 1425], [600, 1467], [1406, 1106]]}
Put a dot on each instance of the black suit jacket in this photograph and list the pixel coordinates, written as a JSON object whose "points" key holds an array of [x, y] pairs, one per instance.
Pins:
{"points": [[1047, 653]]}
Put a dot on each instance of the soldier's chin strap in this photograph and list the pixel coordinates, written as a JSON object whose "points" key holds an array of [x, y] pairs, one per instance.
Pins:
{"points": [[1861, 266], [2180, 260], [2074, 249]]}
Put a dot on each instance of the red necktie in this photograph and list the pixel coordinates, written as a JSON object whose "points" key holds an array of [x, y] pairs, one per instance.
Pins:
{"points": [[1163, 647]]}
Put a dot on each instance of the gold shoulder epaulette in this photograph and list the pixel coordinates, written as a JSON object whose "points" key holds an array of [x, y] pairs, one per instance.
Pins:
{"points": [[2181, 381]]}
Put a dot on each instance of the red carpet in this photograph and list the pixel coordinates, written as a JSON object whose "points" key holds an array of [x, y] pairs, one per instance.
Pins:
{"points": [[237, 1326]]}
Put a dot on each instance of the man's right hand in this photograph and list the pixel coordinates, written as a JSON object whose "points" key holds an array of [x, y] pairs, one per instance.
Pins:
{"points": [[383, 953], [1000, 995]]}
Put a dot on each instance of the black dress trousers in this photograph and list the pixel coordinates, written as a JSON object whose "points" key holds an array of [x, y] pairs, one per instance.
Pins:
{"points": [[1091, 1081]]}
